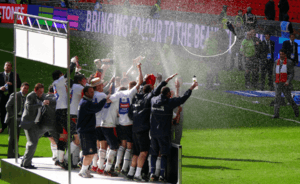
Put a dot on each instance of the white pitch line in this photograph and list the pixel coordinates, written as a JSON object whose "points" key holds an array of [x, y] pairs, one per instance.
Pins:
{"points": [[245, 109]]}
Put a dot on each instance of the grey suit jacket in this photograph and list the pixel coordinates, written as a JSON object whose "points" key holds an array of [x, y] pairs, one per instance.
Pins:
{"points": [[30, 110], [10, 106], [49, 116]]}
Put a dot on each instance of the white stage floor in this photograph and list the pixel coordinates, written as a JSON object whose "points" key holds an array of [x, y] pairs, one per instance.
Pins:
{"points": [[47, 169]]}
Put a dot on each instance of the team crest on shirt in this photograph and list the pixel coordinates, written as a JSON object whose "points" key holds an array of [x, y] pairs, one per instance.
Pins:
{"points": [[91, 150]]}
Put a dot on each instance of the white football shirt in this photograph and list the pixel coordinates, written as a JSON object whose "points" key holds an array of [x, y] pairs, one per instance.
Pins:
{"points": [[124, 99], [98, 96], [75, 98], [60, 92]]}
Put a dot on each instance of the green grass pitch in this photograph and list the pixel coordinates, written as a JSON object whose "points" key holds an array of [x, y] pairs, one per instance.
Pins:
{"points": [[221, 143]]}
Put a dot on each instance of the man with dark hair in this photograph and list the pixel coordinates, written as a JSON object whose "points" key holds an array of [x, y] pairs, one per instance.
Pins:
{"points": [[76, 95], [267, 62], [284, 74], [86, 127], [9, 119], [124, 99], [270, 10], [160, 126], [291, 48], [34, 107], [141, 128], [59, 87], [6, 89]]}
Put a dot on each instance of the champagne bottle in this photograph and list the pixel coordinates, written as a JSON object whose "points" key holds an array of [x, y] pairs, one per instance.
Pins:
{"points": [[195, 80]]}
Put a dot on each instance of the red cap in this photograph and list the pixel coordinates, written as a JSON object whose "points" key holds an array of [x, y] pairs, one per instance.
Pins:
{"points": [[151, 79]]}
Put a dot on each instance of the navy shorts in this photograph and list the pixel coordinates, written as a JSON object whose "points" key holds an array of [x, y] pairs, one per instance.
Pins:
{"points": [[62, 121], [88, 142], [126, 133], [141, 142], [162, 144], [100, 136], [110, 137]]}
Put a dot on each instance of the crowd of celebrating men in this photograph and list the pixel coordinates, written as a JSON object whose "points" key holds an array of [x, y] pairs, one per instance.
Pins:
{"points": [[118, 127]]}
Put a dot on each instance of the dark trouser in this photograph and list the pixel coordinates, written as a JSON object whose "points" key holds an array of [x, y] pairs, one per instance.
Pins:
{"points": [[281, 16], [236, 49], [267, 69], [11, 137], [252, 65], [286, 90], [176, 130], [32, 135], [4, 99]]}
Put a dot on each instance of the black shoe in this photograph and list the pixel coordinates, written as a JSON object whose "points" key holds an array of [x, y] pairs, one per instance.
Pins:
{"points": [[296, 115], [62, 165], [29, 166], [139, 179], [153, 177], [275, 117], [124, 172], [129, 177], [161, 179], [111, 174]]}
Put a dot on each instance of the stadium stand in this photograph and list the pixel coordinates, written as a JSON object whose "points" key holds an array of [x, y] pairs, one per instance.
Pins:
{"points": [[213, 7]]}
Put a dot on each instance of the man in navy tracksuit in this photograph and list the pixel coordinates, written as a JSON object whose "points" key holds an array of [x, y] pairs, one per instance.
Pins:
{"points": [[86, 127], [160, 126], [141, 127]]}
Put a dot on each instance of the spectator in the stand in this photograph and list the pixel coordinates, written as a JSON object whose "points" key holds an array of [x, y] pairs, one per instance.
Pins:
{"points": [[284, 7], [211, 48], [155, 10], [223, 41], [284, 74], [258, 56], [286, 27], [240, 34], [291, 48], [249, 19], [98, 5], [126, 7], [267, 62], [248, 50], [270, 10], [6, 89], [239, 18], [9, 119], [223, 16]]}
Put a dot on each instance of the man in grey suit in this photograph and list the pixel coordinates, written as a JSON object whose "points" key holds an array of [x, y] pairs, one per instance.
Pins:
{"points": [[9, 118], [34, 106], [284, 74]]}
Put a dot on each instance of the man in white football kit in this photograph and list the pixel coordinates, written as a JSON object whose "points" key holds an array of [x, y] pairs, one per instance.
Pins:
{"points": [[124, 99], [109, 121], [60, 91], [97, 84], [76, 95]]}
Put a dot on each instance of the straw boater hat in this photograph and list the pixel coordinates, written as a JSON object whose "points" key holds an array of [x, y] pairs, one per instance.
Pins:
{"points": [[96, 82], [97, 60]]}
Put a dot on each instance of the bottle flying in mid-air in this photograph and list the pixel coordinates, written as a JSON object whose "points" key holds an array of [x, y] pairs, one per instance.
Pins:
{"points": [[195, 80]]}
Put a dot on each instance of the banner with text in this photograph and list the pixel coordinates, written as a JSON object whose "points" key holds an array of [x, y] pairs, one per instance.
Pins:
{"points": [[7, 11]]}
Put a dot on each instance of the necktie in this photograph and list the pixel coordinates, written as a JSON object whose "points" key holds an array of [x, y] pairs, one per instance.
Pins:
{"points": [[293, 47], [6, 78]]}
